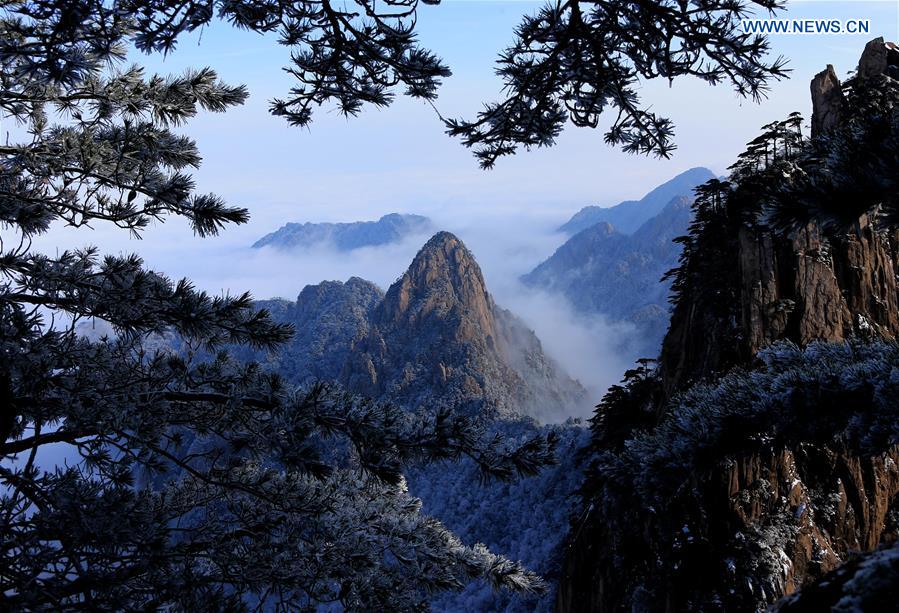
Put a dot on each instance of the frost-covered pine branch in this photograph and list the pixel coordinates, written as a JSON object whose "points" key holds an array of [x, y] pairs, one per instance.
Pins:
{"points": [[135, 476], [573, 60], [576, 60]]}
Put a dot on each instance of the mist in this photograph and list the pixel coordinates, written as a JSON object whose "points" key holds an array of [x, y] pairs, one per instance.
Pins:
{"points": [[399, 159], [507, 241]]}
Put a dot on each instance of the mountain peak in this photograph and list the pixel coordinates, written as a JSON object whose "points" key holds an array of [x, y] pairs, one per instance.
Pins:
{"points": [[443, 240], [445, 253], [436, 338], [601, 270], [438, 326], [443, 276]]}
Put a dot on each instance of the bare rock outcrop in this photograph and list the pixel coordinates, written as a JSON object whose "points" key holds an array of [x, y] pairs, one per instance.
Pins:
{"points": [[879, 58], [827, 288], [867, 582], [438, 338], [802, 287], [829, 502], [827, 100], [753, 529], [874, 60]]}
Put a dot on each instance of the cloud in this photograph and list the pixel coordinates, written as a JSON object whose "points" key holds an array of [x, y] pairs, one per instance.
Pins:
{"points": [[589, 348], [506, 241], [272, 273]]}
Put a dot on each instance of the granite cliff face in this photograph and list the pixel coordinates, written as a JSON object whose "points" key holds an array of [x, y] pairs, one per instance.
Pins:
{"points": [[865, 583], [746, 531], [800, 287], [603, 271], [727, 494], [436, 338], [388, 229]]}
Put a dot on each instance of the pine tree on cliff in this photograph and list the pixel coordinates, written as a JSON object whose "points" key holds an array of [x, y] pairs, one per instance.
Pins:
{"points": [[135, 478], [775, 260], [787, 181]]}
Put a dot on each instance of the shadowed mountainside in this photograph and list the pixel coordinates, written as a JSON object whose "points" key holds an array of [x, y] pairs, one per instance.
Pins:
{"points": [[762, 452], [603, 271]]}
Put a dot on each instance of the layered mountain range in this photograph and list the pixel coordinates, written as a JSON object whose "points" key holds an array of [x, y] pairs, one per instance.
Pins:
{"points": [[390, 228], [435, 338], [618, 273], [627, 217]]}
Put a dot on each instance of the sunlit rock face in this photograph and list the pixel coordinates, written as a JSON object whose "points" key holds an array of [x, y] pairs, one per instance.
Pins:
{"points": [[801, 287], [867, 582], [827, 100], [737, 491]]}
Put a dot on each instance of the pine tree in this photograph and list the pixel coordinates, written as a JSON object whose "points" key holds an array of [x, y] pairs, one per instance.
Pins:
{"points": [[134, 476], [572, 61]]}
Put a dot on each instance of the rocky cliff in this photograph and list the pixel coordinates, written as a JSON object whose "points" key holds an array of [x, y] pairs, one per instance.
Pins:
{"points": [[831, 274], [708, 494], [745, 490], [802, 286], [868, 582], [434, 339]]}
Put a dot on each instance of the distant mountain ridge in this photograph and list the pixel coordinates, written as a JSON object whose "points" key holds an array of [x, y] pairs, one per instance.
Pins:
{"points": [[388, 229], [603, 271], [435, 338], [628, 216]]}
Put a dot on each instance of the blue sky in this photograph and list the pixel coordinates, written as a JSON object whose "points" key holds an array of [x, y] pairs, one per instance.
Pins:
{"points": [[399, 159]]}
